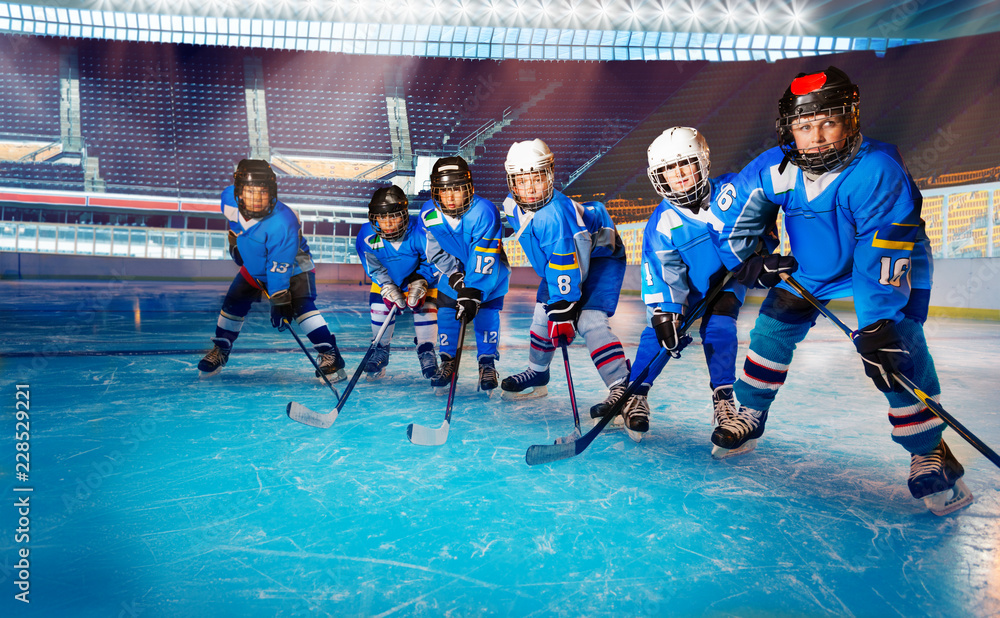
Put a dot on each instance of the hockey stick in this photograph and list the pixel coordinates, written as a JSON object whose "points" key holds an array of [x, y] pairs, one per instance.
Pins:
{"points": [[904, 381], [547, 453], [572, 395], [298, 412], [426, 436]]}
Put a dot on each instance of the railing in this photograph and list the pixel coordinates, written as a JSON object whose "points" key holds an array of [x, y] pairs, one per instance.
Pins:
{"points": [[141, 242]]}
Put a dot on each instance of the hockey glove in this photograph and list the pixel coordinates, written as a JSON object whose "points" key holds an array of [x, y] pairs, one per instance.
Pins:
{"points": [[391, 295], [468, 302], [457, 280], [665, 325], [764, 271], [416, 293], [883, 352], [234, 251], [282, 313], [562, 315]]}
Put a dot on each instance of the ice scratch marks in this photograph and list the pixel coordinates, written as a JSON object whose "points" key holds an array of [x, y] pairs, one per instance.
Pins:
{"points": [[482, 549], [544, 544]]}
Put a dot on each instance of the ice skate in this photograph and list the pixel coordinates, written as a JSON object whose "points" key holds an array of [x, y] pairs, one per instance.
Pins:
{"points": [[516, 387], [737, 434], [217, 357], [488, 378], [428, 360], [377, 363], [441, 380], [936, 477], [723, 405], [330, 363], [597, 411], [636, 415]]}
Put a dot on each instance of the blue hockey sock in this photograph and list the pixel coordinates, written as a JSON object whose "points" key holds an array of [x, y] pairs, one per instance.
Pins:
{"points": [[718, 336], [772, 343], [914, 427], [649, 347]]}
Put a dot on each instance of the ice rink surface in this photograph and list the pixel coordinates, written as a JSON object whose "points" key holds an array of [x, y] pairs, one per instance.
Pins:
{"points": [[157, 493]]}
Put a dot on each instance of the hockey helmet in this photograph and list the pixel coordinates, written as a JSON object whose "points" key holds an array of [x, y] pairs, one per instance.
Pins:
{"points": [[389, 204], [531, 170], [832, 94], [452, 179], [255, 173], [671, 152]]}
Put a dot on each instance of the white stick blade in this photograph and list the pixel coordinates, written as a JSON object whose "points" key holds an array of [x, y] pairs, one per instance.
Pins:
{"points": [[425, 436], [298, 412]]}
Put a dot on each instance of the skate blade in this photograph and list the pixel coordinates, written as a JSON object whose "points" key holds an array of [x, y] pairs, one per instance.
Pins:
{"points": [[375, 377], [535, 393], [208, 374], [337, 376], [725, 453], [618, 422], [635, 436], [949, 500], [489, 392]]}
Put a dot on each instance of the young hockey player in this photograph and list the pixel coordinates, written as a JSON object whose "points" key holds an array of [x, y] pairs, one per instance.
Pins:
{"points": [[679, 263], [463, 233], [576, 251], [391, 250], [266, 242], [852, 214]]}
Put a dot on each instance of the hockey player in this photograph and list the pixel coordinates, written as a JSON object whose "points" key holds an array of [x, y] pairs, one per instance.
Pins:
{"points": [[680, 261], [266, 242], [463, 232], [852, 214], [576, 251], [391, 250]]}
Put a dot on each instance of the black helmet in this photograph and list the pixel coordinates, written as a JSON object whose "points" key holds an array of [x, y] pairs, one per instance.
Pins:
{"points": [[389, 202], [255, 173], [832, 93], [452, 173]]}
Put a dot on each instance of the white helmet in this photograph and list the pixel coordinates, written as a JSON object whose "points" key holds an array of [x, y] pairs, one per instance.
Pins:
{"points": [[533, 160], [678, 146]]}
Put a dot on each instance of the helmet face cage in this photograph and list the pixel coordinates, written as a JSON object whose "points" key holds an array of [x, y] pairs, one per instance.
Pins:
{"points": [[828, 158], [255, 174], [455, 198], [397, 214], [527, 181], [690, 197]]}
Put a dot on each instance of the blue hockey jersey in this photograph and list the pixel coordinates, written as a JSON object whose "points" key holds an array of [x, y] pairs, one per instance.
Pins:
{"points": [[471, 244], [679, 254], [561, 237], [394, 261], [855, 232], [273, 248]]}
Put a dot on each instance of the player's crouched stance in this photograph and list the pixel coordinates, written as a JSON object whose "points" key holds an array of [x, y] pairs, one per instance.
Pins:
{"points": [[391, 249], [576, 251], [266, 242], [679, 264], [863, 236], [463, 233]]}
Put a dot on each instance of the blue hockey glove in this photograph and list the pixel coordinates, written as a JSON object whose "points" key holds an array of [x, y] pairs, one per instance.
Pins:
{"points": [[281, 310], [883, 352], [764, 271]]}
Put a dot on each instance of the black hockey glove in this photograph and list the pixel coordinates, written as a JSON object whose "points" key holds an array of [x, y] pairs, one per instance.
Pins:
{"points": [[234, 251], [665, 325], [764, 271], [883, 352], [281, 310], [468, 301], [457, 280], [562, 315]]}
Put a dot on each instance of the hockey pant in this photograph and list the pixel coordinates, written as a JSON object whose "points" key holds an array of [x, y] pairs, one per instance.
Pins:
{"points": [[424, 318], [486, 324], [605, 349], [243, 293], [784, 321], [719, 342]]}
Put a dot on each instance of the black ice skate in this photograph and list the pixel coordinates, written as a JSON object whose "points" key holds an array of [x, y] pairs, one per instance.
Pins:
{"points": [[723, 405], [217, 357], [516, 387], [636, 415], [738, 433], [488, 378], [615, 391], [936, 477], [442, 378], [377, 363], [330, 363], [428, 360]]}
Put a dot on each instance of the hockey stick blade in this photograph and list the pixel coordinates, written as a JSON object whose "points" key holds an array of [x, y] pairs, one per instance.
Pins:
{"points": [[425, 436], [298, 412], [547, 453]]}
